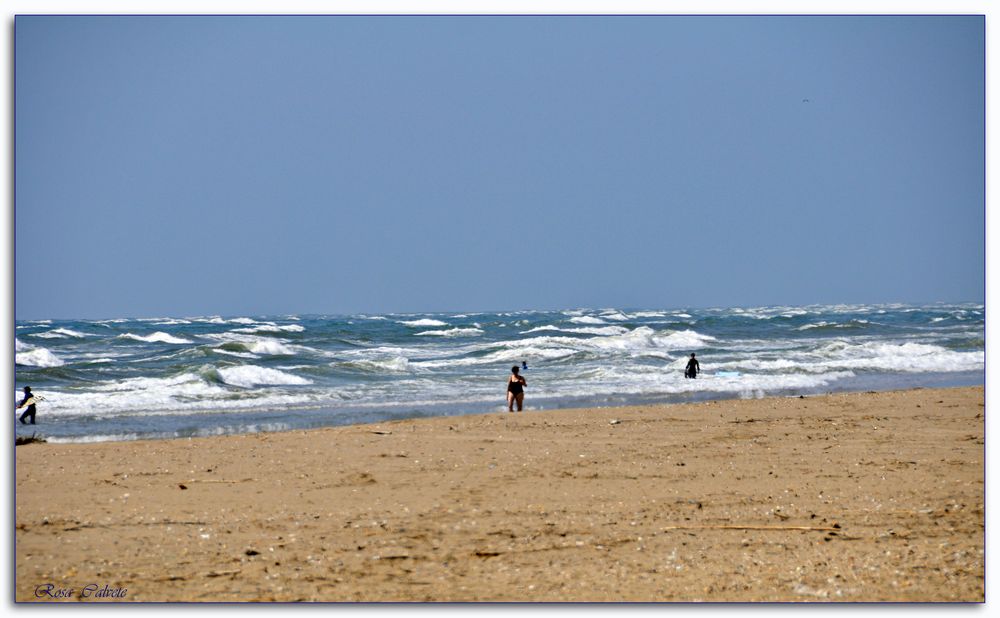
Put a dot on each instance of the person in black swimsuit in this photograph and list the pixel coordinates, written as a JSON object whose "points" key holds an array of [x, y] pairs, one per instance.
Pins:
{"points": [[515, 389]]}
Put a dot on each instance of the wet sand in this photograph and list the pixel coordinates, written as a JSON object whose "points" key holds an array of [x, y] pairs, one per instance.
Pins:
{"points": [[844, 497]]}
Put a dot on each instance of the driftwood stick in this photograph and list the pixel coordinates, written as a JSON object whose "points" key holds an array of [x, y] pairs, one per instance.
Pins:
{"points": [[753, 527], [217, 481]]}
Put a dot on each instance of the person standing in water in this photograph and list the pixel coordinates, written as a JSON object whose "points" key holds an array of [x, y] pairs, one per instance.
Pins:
{"points": [[515, 389], [692, 369], [29, 400]]}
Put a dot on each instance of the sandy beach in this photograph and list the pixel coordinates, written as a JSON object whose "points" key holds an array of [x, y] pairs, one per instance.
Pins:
{"points": [[842, 497]]}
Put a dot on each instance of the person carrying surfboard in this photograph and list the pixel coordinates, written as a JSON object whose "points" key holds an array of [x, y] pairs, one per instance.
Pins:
{"points": [[692, 369], [29, 400]]}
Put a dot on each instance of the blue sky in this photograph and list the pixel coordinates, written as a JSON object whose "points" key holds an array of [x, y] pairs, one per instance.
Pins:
{"points": [[226, 165]]}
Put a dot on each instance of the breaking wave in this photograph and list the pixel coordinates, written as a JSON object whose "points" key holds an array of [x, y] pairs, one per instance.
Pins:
{"points": [[252, 375], [453, 332], [424, 322], [31, 356], [157, 337]]}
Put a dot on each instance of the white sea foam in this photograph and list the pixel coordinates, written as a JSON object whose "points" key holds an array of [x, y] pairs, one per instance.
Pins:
{"points": [[395, 364], [591, 330], [205, 431], [252, 375], [906, 357], [825, 324], [452, 332], [684, 340], [242, 321], [157, 337], [189, 383], [424, 322], [642, 341], [380, 353], [36, 357], [617, 316], [586, 319], [816, 325], [171, 322], [60, 333], [534, 353], [271, 347], [872, 356], [631, 341], [667, 380], [185, 393], [93, 439], [512, 354], [271, 327], [598, 330], [236, 354], [258, 344], [540, 329], [794, 313]]}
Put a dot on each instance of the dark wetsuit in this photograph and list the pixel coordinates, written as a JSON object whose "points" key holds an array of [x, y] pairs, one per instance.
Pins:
{"points": [[30, 412], [514, 386], [692, 369]]}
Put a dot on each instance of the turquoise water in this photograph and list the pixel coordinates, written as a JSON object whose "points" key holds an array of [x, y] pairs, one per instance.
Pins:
{"points": [[122, 379]]}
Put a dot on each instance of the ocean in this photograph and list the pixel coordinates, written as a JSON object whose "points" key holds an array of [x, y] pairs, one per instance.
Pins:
{"points": [[170, 377]]}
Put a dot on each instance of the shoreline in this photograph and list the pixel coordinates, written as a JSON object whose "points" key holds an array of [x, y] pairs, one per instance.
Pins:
{"points": [[863, 496], [693, 398]]}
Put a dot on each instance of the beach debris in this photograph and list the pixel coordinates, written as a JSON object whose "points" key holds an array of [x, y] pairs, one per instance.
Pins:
{"points": [[182, 485], [22, 440], [357, 478], [752, 527], [222, 573], [246, 480], [615, 421], [381, 432], [252, 552]]}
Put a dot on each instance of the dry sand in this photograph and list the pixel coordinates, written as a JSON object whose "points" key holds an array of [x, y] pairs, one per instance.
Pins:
{"points": [[846, 497]]}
